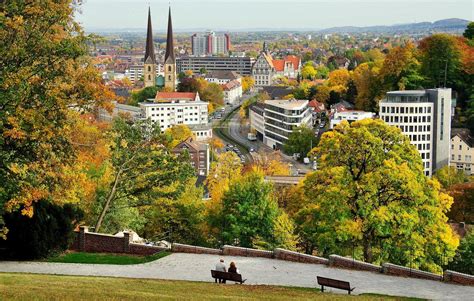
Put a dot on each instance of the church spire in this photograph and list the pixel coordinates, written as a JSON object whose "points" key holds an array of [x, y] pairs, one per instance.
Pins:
{"points": [[149, 48], [169, 56]]}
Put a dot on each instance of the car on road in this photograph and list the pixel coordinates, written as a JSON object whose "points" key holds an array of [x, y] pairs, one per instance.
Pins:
{"points": [[251, 149], [322, 125], [230, 145]]}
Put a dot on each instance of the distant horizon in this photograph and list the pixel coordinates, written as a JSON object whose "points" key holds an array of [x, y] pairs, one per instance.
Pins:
{"points": [[265, 15]]}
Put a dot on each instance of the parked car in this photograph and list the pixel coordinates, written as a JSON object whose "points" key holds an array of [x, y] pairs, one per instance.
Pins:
{"points": [[251, 150]]}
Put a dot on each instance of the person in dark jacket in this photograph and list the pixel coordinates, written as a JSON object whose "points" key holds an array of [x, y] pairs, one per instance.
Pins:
{"points": [[233, 268]]}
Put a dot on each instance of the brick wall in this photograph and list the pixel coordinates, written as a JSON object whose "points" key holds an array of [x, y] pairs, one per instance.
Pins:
{"points": [[283, 254], [181, 248], [349, 263], [86, 241], [397, 270], [451, 276], [247, 252]]}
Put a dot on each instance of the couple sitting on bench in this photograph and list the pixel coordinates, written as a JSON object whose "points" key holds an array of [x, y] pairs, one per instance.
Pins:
{"points": [[222, 274]]}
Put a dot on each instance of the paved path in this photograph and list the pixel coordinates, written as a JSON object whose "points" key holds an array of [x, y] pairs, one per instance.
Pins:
{"points": [[180, 266]]}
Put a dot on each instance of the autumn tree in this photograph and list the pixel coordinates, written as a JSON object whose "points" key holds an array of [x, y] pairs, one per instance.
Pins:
{"points": [[177, 134], [308, 71], [449, 175], [462, 209], [45, 73], [370, 194], [369, 86], [224, 171], [270, 165], [247, 83], [143, 170]]}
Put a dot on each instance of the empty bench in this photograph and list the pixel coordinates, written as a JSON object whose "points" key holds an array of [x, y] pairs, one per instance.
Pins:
{"points": [[227, 276], [343, 285]]}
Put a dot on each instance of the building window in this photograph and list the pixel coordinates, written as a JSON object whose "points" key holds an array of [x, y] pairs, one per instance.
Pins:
{"points": [[169, 68], [149, 68]]}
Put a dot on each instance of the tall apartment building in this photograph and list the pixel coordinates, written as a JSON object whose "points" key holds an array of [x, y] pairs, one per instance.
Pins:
{"points": [[210, 43], [275, 120], [425, 117], [241, 65]]}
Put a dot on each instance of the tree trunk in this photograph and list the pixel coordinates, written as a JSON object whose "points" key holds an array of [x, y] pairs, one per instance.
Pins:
{"points": [[107, 203], [368, 257]]}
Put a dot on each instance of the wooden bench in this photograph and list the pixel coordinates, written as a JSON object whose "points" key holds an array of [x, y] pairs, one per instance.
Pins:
{"points": [[227, 276], [343, 285]]}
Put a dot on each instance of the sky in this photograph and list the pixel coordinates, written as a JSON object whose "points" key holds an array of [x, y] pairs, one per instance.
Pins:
{"points": [[266, 14]]}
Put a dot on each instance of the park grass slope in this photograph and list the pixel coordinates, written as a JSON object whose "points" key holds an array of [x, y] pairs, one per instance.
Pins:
{"points": [[53, 287]]}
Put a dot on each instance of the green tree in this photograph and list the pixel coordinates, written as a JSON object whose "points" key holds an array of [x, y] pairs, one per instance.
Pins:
{"points": [[44, 73], [143, 95], [440, 59], [300, 141], [370, 193], [179, 219], [250, 216], [143, 169], [464, 259], [449, 175], [469, 32]]}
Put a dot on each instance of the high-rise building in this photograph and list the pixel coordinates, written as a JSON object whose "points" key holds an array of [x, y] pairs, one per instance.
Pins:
{"points": [[241, 65], [149, 68], [425, 117], [170, 60], [210, 43]]}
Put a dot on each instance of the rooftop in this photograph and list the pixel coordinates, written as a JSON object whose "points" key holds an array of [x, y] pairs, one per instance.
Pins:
{"points": [[176, 96], [291, 104], [223, 74]]}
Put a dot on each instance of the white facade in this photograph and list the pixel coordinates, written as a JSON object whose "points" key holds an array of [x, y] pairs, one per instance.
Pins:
{"points": [[232, 91], [280, 117], [210, 44], [425, 117], [350, 116], [175, 112], [263, 70], [462, 153]]}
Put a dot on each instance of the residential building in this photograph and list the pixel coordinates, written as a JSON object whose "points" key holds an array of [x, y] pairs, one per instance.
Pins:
{"points": [[210, 43], [279, 117], [199, 154], [222, 77], [263, 70], [462, 150], [149, 73], [277, 92], [172, 108], [232, 91], [350, 116], [289, 66], [132, 112], [266, 69], [425, 117], [241, 65], [170, 60]]}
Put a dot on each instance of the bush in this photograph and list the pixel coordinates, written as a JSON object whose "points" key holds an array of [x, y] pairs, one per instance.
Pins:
{"points": [[48, 231]]}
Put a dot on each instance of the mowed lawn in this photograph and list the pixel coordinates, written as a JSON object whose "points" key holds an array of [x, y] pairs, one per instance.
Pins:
{"points": [[54, 287], [105, 258]]}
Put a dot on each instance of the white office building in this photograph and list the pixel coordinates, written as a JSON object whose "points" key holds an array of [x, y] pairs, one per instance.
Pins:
{"points": [[172, 108], [279, 118], [350, 116], [425, 117]]}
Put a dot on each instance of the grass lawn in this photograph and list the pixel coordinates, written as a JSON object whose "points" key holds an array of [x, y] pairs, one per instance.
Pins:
{"points": [[104, 258], [53, 287]]}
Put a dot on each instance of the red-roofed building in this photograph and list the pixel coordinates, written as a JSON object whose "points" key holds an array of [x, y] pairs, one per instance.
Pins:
{"points": [[174, 96], [289, 66]]}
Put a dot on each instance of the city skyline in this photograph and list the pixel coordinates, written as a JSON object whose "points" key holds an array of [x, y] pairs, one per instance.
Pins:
{"points": [[303, 14]]}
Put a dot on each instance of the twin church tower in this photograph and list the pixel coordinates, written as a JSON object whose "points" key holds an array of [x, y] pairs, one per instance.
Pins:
{"points": [[149, 71]]}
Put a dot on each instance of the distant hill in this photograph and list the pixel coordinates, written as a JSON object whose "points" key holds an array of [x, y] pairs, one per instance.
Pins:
{"points": [[446, 25]]}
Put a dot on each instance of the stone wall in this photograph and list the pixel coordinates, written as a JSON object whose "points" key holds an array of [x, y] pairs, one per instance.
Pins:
{"points": [[283, 254], [181, 248], [349, 263], [397, 270], [144, 250], [451, 276], [247, 252]]}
